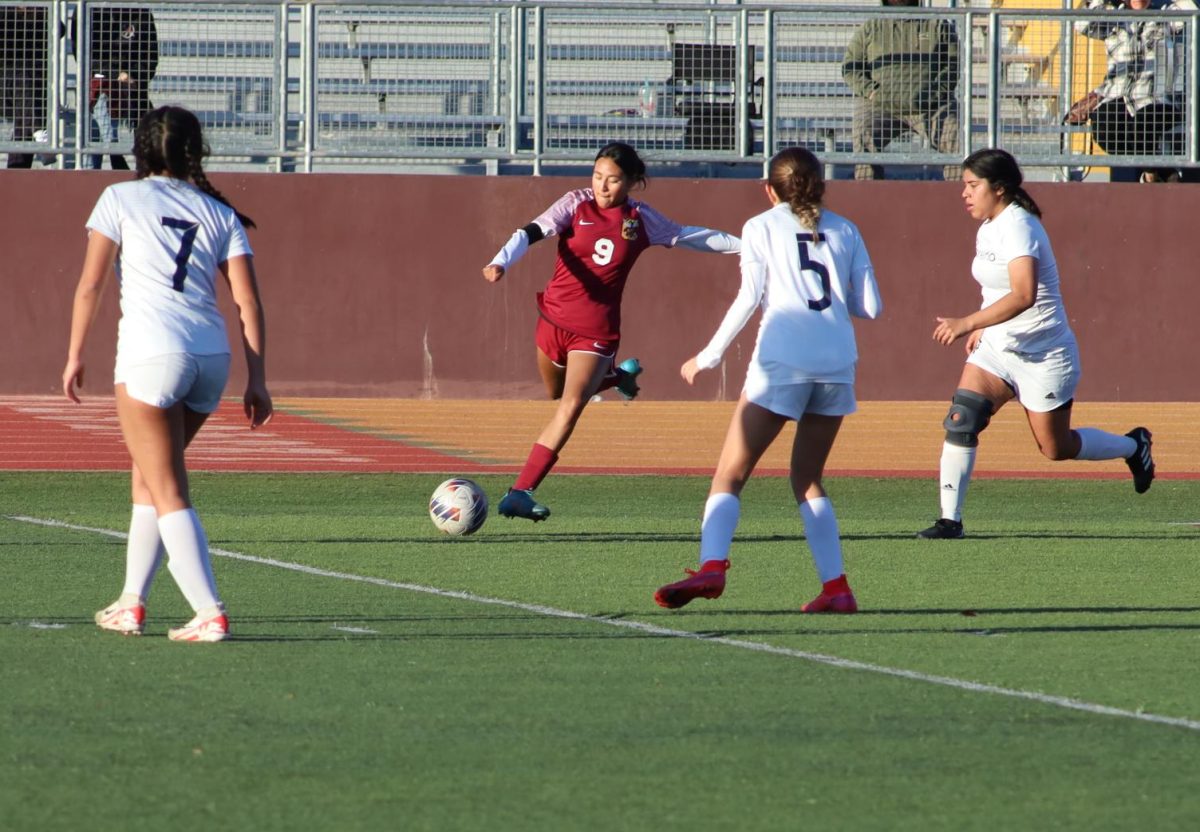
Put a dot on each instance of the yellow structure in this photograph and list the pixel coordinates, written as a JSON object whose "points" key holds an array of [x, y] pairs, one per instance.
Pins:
{"points": [[1037, 44]]}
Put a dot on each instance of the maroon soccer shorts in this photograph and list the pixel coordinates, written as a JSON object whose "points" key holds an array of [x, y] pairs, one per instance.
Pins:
{"points": [[556, 343]]}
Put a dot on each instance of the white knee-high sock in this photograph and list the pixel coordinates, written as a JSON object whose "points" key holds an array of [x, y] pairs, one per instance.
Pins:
{"points": [[143, 552], [957, 464], [824, 540], [187, 557], [1098, 444], [716, 530]]}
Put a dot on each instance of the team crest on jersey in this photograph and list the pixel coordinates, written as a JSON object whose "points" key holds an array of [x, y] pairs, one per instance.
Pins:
{"points": [[629, 229]]}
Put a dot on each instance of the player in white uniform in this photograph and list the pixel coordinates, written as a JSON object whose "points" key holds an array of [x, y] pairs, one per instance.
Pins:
{"points": [[809, 270], [169, 233], [1019, 344]]}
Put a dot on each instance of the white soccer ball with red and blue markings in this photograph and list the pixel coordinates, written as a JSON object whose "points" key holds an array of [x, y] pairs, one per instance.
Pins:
{"points": [[458, 506]]}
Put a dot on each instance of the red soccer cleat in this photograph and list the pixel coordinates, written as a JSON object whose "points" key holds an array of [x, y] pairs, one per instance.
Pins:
{"points": [[842, 602], [127, 620], [708, 582], [210, 627]]}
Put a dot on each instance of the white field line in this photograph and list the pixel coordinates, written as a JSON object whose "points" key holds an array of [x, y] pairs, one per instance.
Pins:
{"points": [[652, 629]]}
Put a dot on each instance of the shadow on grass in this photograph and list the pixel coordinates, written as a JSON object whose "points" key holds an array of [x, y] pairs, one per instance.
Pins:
{"points": [[559, 538], [960, 611], [347, 627]]}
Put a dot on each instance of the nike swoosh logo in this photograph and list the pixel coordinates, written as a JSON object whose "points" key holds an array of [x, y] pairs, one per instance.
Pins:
{"points": [[585, 222]]}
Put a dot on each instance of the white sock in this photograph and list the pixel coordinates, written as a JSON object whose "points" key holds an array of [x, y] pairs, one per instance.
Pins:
{"points": [[187, 557], [824, 541], [716, 530], [957, 464], [143, 552], [1098, 444]]}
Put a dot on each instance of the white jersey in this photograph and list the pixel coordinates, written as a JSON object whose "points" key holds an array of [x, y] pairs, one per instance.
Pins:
{"points": [[1018, 233], [808, 289], [173, 237]]}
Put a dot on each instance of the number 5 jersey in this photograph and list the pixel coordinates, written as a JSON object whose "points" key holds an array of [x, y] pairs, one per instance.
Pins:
{"points": [[809, 285]]}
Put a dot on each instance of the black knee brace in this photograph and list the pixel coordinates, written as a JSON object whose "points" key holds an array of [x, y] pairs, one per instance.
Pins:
{"points": [[969, 415]]}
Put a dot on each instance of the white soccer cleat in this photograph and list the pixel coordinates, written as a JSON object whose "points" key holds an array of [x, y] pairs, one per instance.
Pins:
{"points": [[210, 627], [129, 621]]}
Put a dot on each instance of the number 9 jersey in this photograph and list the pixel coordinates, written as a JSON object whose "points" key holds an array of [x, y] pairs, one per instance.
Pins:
{"points": [[173, 238], [596, 250]]}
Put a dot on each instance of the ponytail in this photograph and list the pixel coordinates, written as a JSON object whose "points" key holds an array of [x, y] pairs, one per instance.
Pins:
{"points": [[795, 175], [1026, 201], [169, 140], [1003, 174]]}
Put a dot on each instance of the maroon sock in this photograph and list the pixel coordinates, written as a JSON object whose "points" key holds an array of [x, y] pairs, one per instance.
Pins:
{"points": [[541, 459], [838, 586]]}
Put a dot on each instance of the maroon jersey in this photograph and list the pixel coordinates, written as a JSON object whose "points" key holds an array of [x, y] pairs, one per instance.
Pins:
{"points": [[597, 247]]}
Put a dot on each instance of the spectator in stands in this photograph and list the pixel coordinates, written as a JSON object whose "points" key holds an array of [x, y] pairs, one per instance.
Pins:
{"points": [[1133, 112], [601, 233], [122, 59], [904, 71], [24, 41]]}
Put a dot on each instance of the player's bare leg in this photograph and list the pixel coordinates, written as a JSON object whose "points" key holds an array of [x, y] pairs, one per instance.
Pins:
{"points": [[573, 386], [815, 436], [751, 431], [989, 392], [143, 550], [1053, 434], [1056, 440], [553, 375], [156, 438], [584, 372]]}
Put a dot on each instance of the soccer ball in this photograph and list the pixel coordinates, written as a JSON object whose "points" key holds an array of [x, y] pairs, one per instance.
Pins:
{"points": [[458, 506]]}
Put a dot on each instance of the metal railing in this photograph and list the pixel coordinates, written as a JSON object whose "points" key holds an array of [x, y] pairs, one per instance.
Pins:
{"points": [[499, 87]]}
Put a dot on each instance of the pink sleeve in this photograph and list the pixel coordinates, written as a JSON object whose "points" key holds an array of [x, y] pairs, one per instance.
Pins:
{"points": [[557, 218], [661, 231]]}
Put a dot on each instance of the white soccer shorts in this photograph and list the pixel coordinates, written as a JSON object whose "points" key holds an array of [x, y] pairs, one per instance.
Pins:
{"points": [[196, 380], [1043, 381], [792, 401]]}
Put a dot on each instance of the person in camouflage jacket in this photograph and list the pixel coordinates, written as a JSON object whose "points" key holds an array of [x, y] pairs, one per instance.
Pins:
{"points": [[904, 72]]}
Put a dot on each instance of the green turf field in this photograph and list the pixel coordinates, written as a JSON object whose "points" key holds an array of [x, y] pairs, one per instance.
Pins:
{"points": [[345, 705]]}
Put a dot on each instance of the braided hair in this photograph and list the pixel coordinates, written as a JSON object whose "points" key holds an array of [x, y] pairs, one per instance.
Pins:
{"points": [[169, 140], [796, 177], [1003, 174]]}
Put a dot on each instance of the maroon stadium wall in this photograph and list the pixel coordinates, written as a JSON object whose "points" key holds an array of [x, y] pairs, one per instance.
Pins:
{"points": [[372, 283]]}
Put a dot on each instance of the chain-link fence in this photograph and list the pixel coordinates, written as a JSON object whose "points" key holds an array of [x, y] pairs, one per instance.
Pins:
{"points": [[700, 87]]}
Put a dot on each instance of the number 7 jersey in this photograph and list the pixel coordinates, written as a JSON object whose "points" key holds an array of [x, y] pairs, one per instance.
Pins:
{"points": [[173, 238]]}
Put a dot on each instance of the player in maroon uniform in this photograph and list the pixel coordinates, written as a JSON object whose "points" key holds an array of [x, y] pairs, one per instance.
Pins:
{"points": [[601, 233]]}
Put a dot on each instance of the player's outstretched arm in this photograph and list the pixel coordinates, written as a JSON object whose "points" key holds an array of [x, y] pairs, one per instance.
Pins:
{"points": [[239, 273], [698, 238], [690, 369], [97, 263]]}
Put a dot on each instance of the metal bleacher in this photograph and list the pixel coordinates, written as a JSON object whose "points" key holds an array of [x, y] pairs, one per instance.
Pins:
{"points": [[709, 88]]}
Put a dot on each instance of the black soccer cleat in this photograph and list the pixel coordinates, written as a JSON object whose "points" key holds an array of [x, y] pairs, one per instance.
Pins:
{"points": [[627, 372], [943, 529], [519, 503], [1141, 464]]}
